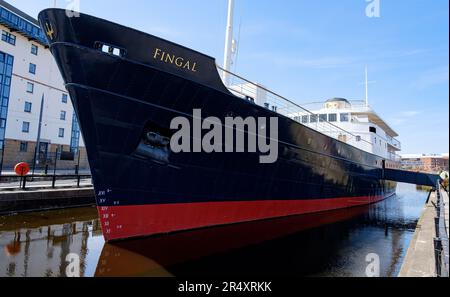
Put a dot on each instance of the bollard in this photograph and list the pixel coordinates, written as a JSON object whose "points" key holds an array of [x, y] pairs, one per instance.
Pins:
{"points": [[76, 169], [46, 169], [78, 181], [24, 185]]}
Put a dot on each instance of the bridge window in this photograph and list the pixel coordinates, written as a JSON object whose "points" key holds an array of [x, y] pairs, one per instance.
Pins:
{"points": [[323, 118], [345, 117], [313, 118], [332, 117], [305, 119]]}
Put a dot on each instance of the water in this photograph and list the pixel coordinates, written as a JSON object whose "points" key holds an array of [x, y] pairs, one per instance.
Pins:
{"points": [[330, 244]]}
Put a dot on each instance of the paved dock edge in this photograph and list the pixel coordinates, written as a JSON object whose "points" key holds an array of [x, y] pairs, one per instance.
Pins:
{"points": [[420, 260]]}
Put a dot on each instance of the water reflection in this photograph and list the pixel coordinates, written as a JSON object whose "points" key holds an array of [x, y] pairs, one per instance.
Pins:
{"points": [[38, 244], [328, 244]]}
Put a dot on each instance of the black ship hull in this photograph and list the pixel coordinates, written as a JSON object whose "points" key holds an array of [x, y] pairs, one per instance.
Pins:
{"points": [[123, 95]]}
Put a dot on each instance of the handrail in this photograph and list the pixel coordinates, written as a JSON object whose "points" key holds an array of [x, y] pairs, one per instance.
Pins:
{"points": [[51, 178], [295, 105], [441, 241]]}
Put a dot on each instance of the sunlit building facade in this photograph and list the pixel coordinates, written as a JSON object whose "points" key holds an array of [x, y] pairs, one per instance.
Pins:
{"points": [[32, 89]]}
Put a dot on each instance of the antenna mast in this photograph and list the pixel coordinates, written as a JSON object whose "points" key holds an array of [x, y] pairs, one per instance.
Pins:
{"points": [[228, 42], [367, 88]]}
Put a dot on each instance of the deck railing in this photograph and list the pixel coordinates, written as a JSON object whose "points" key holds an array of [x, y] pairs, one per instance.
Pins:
{"points": [[262, 96]]}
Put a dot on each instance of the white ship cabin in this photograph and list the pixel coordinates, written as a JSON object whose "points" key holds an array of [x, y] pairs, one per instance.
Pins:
{"points": [[352, 122], [363, 127]]}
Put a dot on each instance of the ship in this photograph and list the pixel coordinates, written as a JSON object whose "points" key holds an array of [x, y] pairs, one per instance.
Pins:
{"points": [[127, 87]]}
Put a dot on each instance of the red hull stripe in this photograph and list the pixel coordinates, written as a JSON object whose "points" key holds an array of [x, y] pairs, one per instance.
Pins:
{"points": [[120, 222]]}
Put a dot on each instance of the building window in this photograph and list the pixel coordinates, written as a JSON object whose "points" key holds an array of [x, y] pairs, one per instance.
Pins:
{"points": [[26, 127], [323, 118], [62, 116], [373, 130], [358, 138], [9, 38], [24, 147], [6, 66], [332, 117], [30, 88], [64, 98], [75, 139], [61, 133], [34, 49], [305, 119], [345, 117], [32, 68], [313, 118], [28, 107]]}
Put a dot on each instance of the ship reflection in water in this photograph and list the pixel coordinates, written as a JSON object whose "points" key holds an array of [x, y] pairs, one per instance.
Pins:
{"points": [[328, 244]]}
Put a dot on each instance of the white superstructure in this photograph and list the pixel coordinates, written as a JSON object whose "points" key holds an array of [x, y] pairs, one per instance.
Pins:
{"points": [[352, 122], [366, 129]]}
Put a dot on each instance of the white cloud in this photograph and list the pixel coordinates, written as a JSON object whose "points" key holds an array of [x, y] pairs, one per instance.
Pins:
{"points": [[405, 116], [432, 77]]}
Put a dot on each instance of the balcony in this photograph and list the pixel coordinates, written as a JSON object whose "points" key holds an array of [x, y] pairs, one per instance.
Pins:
{"points": [[394, 143]]}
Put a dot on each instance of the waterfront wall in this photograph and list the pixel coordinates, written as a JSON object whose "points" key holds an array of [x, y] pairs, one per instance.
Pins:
{"points": [[13, 155]]}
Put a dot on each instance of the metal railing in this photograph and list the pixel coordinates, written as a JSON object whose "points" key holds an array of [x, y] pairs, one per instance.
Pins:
{"points": [[394, 157], [355, 104], [42, 181], [394, 142], [441, 246], [262, 96]]}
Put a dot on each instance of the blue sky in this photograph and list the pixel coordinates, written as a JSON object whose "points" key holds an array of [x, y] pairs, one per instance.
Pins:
{"points": [[311, 50]]}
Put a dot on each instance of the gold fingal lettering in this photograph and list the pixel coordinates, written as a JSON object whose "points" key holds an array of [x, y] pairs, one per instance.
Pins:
{"points": [[157, 53], [179, 61], [170, 58], [187, 66]]}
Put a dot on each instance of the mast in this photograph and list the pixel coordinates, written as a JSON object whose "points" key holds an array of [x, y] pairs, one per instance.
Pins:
{"points": [[367, 88], [228, 42]]}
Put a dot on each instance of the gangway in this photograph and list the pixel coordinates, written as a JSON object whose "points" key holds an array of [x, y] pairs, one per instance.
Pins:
{"points": [[410, 177]]}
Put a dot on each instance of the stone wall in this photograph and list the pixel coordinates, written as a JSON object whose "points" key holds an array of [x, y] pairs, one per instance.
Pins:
{"points": [[12, 156]]}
